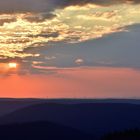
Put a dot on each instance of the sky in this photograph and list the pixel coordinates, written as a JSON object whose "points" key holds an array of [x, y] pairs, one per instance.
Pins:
{"points": [[69, 48]]}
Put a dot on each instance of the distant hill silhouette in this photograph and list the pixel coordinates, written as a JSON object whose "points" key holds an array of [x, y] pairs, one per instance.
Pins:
{"points": [[133, 134], [92, 118], [40, 131], [10, 105]]}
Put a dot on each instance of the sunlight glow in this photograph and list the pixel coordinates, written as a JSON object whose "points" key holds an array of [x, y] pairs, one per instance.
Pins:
{"points": [[12, 65]]}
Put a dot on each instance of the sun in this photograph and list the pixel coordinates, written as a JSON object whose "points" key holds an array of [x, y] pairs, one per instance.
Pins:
{"points": [[12, 65]]}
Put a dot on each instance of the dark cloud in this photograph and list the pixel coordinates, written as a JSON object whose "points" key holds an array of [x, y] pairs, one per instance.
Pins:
{"points": [[10, 6], [45, 35], [2, 21], [9, 59], [39, 17]]}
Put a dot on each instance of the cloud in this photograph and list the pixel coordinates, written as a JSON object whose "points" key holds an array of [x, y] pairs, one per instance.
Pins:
{"points": [[79, 61], [2, 21], [39, 17], [8, 6], [109, 51], [31, 30], [32, 36]]}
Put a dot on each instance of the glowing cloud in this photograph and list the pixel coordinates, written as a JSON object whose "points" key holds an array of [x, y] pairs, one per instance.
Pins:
{"points": [[70, 23]]}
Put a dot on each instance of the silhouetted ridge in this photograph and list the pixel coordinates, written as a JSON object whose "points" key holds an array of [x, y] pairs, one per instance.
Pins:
{"points": [[40, 131], [91, 118], [132, 134]]}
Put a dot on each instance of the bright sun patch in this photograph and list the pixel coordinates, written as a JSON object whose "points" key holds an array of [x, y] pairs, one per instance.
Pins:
{"points": [[12, 65]]}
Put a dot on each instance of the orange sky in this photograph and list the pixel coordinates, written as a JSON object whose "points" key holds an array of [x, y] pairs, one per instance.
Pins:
{"points": [[45, 52], [80, 82]]}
